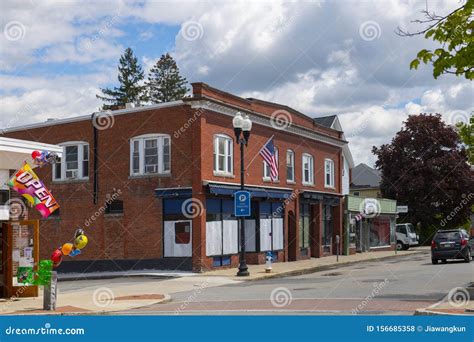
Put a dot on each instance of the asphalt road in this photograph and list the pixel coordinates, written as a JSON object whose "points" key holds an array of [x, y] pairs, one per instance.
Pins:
{"points": [[394, 286]]}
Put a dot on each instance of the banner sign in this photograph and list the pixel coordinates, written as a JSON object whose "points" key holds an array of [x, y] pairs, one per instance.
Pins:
{"points": [[27, 183]]}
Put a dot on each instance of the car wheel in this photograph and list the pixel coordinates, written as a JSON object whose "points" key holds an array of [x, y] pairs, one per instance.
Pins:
{"points": [[444, 261], [434, 261], [399, 245], [468, 256]]}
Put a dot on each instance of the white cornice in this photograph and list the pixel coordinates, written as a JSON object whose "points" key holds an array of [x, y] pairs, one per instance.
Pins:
{"points": [[262, 120]]}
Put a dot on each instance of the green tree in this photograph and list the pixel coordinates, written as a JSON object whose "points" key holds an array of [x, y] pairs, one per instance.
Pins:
{"points": [[130, 90], [425, 167], [164, 81], [455, 34], [466, 133]]}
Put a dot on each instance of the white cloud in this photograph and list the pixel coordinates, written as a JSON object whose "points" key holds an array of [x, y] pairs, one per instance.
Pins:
{"points": [[305, 54]]}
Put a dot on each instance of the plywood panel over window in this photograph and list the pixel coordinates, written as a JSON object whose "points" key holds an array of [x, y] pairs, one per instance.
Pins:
{"points": [[230, 236], [178, 242], [214, 238]]}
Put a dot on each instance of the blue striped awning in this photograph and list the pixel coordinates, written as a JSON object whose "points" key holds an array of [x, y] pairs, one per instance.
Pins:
{"points": [[228, 190]]}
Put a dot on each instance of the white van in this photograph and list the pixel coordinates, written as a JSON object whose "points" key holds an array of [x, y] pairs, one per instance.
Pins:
{"points": [[406, 236]]}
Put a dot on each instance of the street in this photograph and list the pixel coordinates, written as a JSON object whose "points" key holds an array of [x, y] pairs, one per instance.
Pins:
{"points": [[396, 286]]}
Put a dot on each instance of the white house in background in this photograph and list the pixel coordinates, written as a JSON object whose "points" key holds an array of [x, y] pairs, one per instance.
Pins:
{"points": [[333, 122], [13, 153]]}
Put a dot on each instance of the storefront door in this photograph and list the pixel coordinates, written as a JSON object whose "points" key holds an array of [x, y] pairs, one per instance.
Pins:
{"points": [[178, 238]]}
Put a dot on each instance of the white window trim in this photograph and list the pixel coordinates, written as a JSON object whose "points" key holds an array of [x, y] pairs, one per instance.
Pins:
{"points": [[332, 184], [217, 172], [80, 155], [268, 178], [291, 181], [141, 156], [311, 173]]}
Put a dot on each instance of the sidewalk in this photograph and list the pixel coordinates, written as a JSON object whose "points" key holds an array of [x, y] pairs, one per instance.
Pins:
{"points": [[109, 291], [461, 303], [283, 269]]}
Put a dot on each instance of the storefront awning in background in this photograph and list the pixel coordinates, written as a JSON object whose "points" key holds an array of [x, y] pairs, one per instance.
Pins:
{"points": [[327, 199], [228, 190], [173, 192]]}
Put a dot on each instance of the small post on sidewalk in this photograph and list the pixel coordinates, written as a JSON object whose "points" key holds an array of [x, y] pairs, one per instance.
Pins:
{"points": [[337, 247], [50, 293]]}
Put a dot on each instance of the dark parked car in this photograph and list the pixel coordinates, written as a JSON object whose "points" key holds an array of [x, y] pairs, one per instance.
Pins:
{"points": [[451, 244]]}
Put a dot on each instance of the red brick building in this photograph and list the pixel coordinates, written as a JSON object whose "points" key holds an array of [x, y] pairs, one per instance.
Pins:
{"points": [[152, 186]]}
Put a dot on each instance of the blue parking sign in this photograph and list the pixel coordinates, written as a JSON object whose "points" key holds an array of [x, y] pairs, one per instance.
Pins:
{"points": [[242, 203]]}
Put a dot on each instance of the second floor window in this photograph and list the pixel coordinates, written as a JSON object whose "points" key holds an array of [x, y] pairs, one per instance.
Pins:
{"points": [[329, 173], [308, 169], [267, 169], [150, 154], [75, 162], [290, 166], [223, 155]]}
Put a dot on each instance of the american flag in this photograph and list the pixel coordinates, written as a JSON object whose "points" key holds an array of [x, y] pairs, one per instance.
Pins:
{"points": [[268, 154]]}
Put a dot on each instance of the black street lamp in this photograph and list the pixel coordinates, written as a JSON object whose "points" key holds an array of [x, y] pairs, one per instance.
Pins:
{"points": [[242, 126]]}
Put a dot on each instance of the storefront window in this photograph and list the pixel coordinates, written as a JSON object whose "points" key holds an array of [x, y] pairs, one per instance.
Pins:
{"points": [[304, 225], [327, 226], [380, 232]]}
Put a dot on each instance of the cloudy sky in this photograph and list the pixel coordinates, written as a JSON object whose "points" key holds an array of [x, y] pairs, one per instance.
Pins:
{"points": [[319, 57]]}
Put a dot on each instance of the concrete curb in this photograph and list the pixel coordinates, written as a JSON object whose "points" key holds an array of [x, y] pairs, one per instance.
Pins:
{"points": [[165, 299], [314, 269], [428, 312]]}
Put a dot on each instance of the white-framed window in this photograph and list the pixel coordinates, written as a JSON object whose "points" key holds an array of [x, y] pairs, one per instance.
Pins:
{"points": [[150, 154], [223, 154], [308, 169], [267, 170], [290, 166], [329, 173], [75, 161]]}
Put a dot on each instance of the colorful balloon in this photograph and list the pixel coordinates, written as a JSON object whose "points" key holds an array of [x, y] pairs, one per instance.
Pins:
{"points": [[75, 252], [67, 248], [35, 154], [57, 257], [80, 242]]}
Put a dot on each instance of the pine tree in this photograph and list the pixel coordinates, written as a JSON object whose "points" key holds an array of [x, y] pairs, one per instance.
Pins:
{"points": [[130, 75], [164, 81]]}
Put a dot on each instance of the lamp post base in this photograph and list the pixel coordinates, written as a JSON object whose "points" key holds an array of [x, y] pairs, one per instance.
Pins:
{"points": [[243, 270]]}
